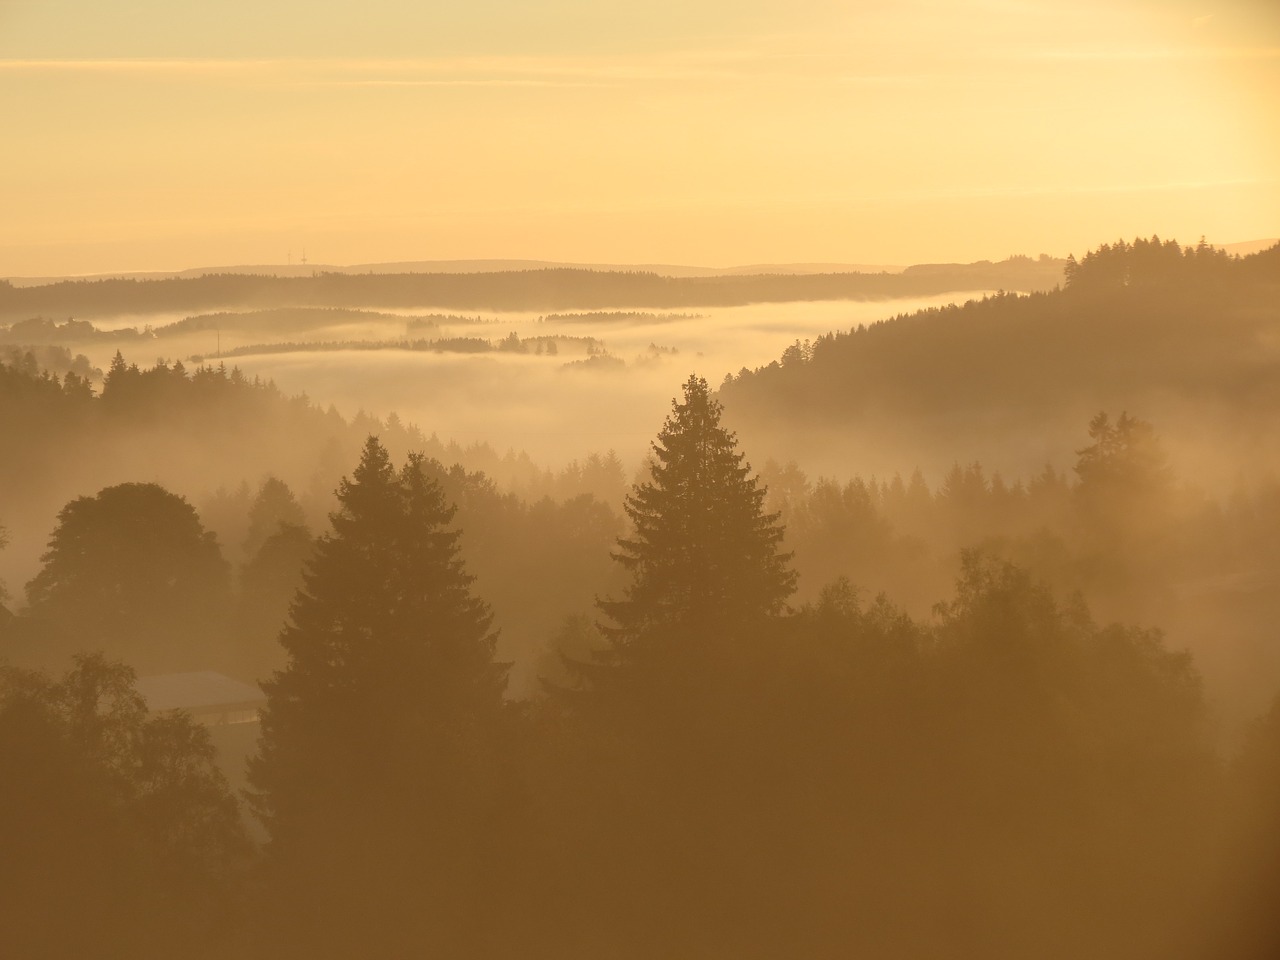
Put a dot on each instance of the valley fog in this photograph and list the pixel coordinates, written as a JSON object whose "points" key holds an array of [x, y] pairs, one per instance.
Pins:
{"points": [[555, 408]]}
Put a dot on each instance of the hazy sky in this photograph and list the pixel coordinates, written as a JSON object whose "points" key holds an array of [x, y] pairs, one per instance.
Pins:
{"points": [[160, 134]]}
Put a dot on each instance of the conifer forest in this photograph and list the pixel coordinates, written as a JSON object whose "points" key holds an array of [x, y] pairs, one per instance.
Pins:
{"points": [[615, 480]]}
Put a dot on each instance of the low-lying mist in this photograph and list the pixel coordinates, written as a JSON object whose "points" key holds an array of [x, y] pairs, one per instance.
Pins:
{"points": [[550, 406]]}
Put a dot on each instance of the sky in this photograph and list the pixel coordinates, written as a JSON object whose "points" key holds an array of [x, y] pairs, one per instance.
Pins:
{"points": [[165, 134]]}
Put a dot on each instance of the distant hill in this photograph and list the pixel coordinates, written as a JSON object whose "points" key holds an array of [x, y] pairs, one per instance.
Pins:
{"points": [[1248, 246], [1188, 339], [509, 266], [464, 266], [524, 289]]}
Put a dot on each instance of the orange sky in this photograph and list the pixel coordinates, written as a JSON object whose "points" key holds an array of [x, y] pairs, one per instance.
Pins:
{"points": [[162, 135]]}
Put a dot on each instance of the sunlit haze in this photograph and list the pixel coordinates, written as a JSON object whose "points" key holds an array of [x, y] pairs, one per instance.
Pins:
{"points": [[159, 135], [585, 479]]}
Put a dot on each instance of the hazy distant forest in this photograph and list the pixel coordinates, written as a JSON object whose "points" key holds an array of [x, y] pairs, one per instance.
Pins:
{"points": [[821, 671]]}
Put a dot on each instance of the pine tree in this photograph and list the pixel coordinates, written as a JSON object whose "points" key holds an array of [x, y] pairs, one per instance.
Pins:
{"points": [[375, 771], [703, 555], [664, 743]]}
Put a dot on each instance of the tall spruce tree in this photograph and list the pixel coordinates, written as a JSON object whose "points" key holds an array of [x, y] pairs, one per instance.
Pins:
{"points": [[665, 749], [375, 772], [704, 554]]}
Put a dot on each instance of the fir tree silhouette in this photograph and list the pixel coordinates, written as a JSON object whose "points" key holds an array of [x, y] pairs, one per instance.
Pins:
{"points": [[704, 554], [375, 766]]}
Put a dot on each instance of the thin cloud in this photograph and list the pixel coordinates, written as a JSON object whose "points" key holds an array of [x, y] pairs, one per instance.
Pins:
{"points": [[885, 79], [1049, 190], [731, 65], [981, 192], [1084, 54], [140, 65], [455, 82], [567, 67]]}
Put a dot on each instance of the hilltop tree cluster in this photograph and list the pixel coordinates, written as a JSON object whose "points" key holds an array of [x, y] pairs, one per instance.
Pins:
{"points": [[1144, 262]]}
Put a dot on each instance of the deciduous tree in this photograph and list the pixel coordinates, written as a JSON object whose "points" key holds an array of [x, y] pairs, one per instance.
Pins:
{"points": [[120, 836], [132, 571]]}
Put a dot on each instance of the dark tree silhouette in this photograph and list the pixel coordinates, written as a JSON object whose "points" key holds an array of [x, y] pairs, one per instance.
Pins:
{"points": [[376, 745], [704, 554], [109, 816], [133, 571], [662, 729]]}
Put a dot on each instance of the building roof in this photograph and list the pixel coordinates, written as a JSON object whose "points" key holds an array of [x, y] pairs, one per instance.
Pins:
{"points": [[196, 691]]}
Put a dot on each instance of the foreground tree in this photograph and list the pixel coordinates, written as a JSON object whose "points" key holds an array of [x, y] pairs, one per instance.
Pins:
{"points": [[704, 554], [1056, 740], [120, 835], [375, 769], [660, 782]]}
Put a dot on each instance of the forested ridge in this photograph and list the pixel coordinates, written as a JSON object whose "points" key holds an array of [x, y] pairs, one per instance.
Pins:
{"points": [[1149, 325], [550, 289], [722, 711]]}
